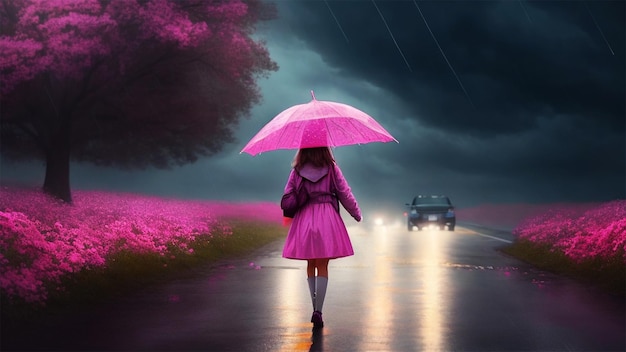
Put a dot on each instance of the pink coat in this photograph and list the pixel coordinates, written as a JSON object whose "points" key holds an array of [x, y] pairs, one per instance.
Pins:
{"points": [[317, 229]]}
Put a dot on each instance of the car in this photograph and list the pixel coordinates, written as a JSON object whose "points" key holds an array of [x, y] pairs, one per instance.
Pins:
{"points": [[430, 211]]}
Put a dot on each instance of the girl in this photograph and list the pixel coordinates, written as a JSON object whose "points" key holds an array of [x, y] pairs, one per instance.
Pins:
{"points": [[318, 233]]}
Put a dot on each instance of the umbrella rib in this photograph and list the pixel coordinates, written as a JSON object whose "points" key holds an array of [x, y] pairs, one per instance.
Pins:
{"points": [[329, 138], [280, 136], [283, 131], [360, 133], [347, 131]]}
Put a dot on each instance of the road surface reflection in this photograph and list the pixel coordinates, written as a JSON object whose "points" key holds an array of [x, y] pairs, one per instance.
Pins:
{"points": [[408, 292], [292, 299], [379, 317], [432, 305]]}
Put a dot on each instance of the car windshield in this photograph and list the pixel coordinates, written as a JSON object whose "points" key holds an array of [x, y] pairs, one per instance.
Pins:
{"points": [[431, 201]]}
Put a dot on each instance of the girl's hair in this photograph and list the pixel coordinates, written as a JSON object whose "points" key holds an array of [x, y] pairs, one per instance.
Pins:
{"points": [[317, 156]]}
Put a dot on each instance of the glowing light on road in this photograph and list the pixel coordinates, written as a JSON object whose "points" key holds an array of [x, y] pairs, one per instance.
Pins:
{"points": [[378, 332], [432, 305], [292, 298]]}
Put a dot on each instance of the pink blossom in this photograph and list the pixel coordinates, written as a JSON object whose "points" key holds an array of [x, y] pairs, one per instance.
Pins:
{"points": [[597, 232], [65, 38], [43, 240]]}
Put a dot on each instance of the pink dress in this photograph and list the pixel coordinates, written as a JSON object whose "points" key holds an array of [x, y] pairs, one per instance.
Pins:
{"points": [[317, 229]]}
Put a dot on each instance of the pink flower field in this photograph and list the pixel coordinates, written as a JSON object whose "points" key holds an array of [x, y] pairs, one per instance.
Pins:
{"points": [[43, 240], [580, 232]]}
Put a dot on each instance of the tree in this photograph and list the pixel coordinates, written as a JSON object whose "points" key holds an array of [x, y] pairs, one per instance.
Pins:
{"points": [[126, 83]]}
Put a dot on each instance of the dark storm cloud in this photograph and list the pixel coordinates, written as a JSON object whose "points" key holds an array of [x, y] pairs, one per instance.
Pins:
{"points": [[515, 65], [532, 98]]}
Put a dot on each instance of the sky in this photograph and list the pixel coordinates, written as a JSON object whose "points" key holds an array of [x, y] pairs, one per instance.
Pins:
{"points": [[491, 102]]}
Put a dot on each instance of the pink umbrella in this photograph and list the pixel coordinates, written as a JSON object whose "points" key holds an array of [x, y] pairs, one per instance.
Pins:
{"points": [[317, 124]]}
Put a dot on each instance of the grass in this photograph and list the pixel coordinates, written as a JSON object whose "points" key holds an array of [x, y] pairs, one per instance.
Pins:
{"points": [[128, 272], [607, 275]]}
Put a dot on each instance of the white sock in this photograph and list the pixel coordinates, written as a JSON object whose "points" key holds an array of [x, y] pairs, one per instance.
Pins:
{"points": [[320, 294], [311, 281]]}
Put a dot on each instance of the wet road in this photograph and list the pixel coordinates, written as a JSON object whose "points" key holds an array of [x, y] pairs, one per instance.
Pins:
{"points": [[419, 291]]}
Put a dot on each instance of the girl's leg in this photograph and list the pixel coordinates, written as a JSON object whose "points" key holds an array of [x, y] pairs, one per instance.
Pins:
{"points": [[310, 273], [310, 267], [321, 283], [319, 267], [322, 267]]}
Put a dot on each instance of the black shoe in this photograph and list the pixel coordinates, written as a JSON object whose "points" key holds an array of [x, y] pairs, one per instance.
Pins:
{"points": [[316, 319]]}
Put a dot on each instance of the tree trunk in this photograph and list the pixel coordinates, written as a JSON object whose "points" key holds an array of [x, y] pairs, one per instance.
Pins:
{"points": [[57, 181]]}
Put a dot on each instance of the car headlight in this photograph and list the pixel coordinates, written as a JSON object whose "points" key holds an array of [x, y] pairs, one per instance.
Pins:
{"points": [[414, 212], [450, 213]]}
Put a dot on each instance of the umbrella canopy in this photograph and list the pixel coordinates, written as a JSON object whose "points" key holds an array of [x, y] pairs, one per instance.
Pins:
{"points": [[317, 124]]}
